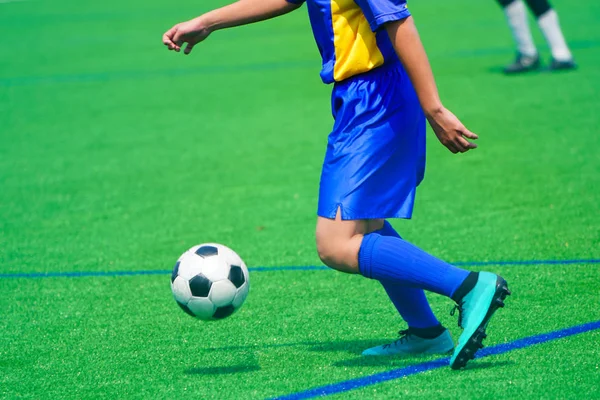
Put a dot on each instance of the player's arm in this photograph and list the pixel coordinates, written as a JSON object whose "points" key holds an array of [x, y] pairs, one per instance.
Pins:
{"points": [[407, 43], [240, 13]]}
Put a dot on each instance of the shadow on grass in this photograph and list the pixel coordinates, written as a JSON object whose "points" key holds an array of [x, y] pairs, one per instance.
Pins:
{"points": [[233, 369], [350, 346], [498, 70], [354, 348]]}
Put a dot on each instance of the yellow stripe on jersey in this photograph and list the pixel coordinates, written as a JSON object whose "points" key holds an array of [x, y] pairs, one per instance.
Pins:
{"points": [[355, 44]]}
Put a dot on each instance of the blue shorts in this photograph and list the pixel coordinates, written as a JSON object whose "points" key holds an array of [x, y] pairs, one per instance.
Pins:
{"points": [[376, 152]]}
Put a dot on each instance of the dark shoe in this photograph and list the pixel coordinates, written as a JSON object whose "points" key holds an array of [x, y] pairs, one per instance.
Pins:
{"points": [[556, 65], [523, 64]]}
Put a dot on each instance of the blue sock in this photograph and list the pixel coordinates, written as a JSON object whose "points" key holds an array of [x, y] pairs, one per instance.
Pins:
{"points": [[411, 303], [395, 260]]}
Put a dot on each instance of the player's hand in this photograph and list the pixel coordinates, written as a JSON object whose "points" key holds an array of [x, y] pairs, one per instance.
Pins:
{"points": [[450, 131], [190, 33]]}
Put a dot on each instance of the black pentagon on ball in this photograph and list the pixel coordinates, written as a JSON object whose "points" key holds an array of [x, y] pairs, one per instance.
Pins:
{"points": [[200, 286], [175, 271], [207, 251], [236, 276], [223, 312], [185, 308]]}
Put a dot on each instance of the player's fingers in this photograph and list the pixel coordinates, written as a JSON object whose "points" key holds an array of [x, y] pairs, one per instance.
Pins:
{"points": [[179, 40], [461, 148], [469, 134], [452, 147], [167, 42], [188, 48], [167, 38], [464, 145]]}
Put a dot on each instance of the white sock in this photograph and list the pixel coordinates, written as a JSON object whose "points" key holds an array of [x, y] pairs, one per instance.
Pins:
{"points": [[516, 15], [550, 27]]}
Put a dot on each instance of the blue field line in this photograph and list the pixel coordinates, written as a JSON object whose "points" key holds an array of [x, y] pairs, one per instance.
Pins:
{"points": [[80, 274], [358, 383]]}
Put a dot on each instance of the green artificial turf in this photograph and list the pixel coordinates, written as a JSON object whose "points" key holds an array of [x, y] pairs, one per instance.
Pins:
{"points": [[116, 155]]}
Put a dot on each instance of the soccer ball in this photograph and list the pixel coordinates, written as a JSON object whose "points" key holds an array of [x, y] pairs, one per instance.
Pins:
{"points": [[210, 281]]}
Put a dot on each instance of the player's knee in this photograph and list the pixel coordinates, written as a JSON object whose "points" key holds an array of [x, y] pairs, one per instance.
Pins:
{"points": [[334, 254], [327, 253]]}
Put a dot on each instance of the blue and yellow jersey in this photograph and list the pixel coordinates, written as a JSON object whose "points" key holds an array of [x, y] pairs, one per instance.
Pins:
{"points": [[348, 34]]}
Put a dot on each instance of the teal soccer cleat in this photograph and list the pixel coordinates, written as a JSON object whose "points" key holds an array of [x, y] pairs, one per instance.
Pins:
{"points": [[475, 311], [412, 344]]}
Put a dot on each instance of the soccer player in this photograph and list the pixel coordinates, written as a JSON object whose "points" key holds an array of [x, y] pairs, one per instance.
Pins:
{"points": [[383, 92], [528, 58]]}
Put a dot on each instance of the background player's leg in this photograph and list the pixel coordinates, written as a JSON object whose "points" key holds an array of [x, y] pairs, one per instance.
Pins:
{"points": [[549, 25], [516, 16]]}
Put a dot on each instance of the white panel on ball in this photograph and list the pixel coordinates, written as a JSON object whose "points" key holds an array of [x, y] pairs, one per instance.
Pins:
{"points": [[240, 296], [201, 307], [231, 256], [189, 265], [215, 268], [181, 290], [222, 293]]}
